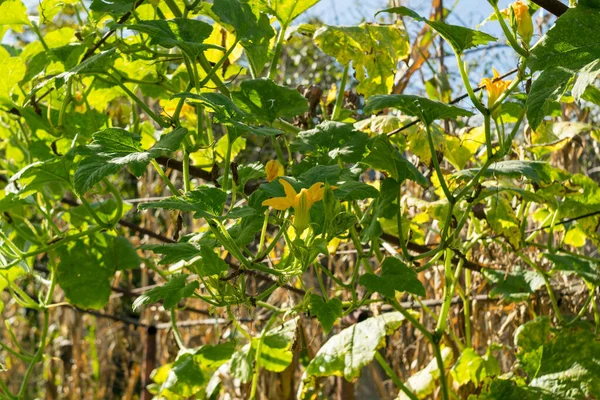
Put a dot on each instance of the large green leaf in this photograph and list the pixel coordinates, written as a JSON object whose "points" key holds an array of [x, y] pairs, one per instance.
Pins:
{"points": [[173, 252], [185, 377], [471, 367], [275, 355], [567, 48], [425, 109], [332, 140], [571, 43], [385, 157], [395, 276], [373, 50], [539, 172], [252, 29], [569, 365], [114, 7], [204, 201], [35, 176], [327, 311], [83, 277], [459, 37], [13, 12], [210, 263], [513, 286], [545, 90], [347, 352], [118, 253], [265, 101], [172, 292], [187, 34], [588, 270], [286, 10], [114, 148]]}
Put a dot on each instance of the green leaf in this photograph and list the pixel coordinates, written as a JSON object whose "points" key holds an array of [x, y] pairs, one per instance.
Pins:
{"points": [[545, 90], [84, 279], [113, 7], [458, 37], [265, 101], [210, 263], [275, 354], [583, 268], [513, 286], [15, 70], [185, 377], [286, 10], [423, 108], [253, 29], [35, 176], [532, 334], [539, 172], [327, 311], [118, 253], [242, 363], [500, 389], [471, 367], [553, 136], [354, 190], [204, 201], [587, 76], [173, 252], [373, 50], [114, 148], [332, 140], [569, 365], [13, 12], [187, 34], [385, 157], [9, 275], [395, 276], [347, 352], [571, 43], [172, 292]]}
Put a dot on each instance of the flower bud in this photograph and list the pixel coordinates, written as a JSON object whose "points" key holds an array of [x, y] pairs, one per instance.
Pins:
{"points": [[273, 169]]}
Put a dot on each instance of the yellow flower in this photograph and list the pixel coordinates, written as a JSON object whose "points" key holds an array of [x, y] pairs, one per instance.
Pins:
{"points": [[273, 169], [523, 19], [494, 87], [301, 202]]}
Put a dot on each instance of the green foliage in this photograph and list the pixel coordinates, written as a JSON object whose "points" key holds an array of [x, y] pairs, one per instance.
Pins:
{"points": [[327, 311], [172, 292], [289, 206], [459, 37], [347, 352], [395, 276], [372, 49]]}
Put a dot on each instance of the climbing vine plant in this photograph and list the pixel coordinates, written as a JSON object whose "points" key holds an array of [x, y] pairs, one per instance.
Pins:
{"points": [[252, 185]]}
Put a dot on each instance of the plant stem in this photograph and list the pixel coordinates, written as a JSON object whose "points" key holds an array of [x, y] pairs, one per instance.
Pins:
{"points": [[436, 165], [165, 178], [277, 52], [339, 100], [176, 332], [441, 367], [390, 372]]}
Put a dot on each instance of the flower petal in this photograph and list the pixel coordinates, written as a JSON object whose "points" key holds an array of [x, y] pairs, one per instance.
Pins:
{"points": [[290, 192], [278, 203], [316, 192]]}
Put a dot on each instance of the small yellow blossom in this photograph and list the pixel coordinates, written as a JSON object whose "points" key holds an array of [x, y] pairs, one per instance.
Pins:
{"points": [[523, 19], [301, 202], [494, 87], [273, 169]]}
